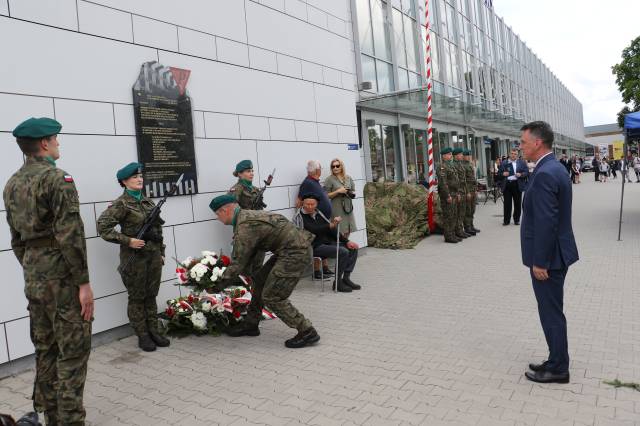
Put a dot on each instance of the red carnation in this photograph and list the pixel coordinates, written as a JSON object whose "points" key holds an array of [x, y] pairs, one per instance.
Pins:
{"points": [[236, 314], [225, 260], [170, 312], [190, 298]]}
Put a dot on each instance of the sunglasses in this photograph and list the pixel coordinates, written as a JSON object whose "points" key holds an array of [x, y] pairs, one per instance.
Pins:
{"points": [[335, 166]]}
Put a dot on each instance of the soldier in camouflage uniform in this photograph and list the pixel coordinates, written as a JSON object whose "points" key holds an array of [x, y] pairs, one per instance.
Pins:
{"points": [[464, 196], [247, 196], [255, 231], [448, 193], [47, 237], [472, 184], [142, 276]]}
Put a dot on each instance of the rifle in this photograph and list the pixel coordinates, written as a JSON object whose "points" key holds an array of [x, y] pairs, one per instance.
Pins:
{"points": [[148, 221], [258, 203]]}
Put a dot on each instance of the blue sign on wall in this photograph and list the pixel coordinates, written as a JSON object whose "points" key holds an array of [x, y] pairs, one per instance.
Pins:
{"points": [[352, 147]]}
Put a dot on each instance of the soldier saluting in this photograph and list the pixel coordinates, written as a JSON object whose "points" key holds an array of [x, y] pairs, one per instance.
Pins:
{"points": [[253, 232], [142, 275], [47, 237]]}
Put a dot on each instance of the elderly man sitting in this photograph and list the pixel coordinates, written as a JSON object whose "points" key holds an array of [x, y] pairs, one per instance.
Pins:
{"points": [[324, 245]]}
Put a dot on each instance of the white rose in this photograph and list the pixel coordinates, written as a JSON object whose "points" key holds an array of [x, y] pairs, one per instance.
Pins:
{"points": [[199, 320], [206, 306], [208, 260], [187, 261], [206, 253]]}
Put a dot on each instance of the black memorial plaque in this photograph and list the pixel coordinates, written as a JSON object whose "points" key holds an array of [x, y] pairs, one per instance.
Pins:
{"points": [[164, 129]]}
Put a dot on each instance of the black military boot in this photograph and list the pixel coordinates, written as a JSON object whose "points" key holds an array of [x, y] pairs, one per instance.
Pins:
{"points": [[462, 235], [159, 339], [243, 330], [303, 338], [347, 280], [470, 232], [29, 419], [451, 240], [146, 344], [476, 230], [342, 287]]}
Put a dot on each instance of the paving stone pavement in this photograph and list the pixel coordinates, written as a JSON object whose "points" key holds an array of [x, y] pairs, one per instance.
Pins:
{"points": [[439, 335]]}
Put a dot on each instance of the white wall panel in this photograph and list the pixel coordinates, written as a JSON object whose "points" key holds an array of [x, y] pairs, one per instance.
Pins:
{"points": [[327, 133], [359, 211], [198, 124], [10, 160], [360, 238], [282, 130], [221, 87], [19, 338], [332, 77], [220, 17], [254, 127], [335, 105], [94, 118], [96, 181], [5, 234], [317, 17], [176, 210], [104, 258], [312, 72], [4, 8], [4, 355], [336, 25], [94, 75], [150, 32], [110, 312], [273, 30], [296, 8], [339, 8], [274, 4], [348, 81], [216, 160], [191, 239], [124, 119], [13, 303], [168, 290], [104, 21], [262, 59], [224, 126], [197, 43], [59, 13], [232, 52], [306, 131], [22, 108], [277, 198], [347, 134], [201, 210], [289, 66], [88, 215], [169, 268]]}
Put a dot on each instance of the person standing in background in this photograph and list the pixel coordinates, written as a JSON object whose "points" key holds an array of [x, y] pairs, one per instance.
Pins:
{"points": [[341, 190], [514, 173]]}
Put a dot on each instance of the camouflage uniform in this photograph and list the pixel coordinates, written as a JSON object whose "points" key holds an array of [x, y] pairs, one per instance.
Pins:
{"points": [[462, 191], [47, 237], [448, 186], [472, 183], [142, 276], [247, 199], [254, 232]]}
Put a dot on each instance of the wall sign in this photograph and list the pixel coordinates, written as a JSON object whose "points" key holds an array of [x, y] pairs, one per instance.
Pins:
{"points": [[164, 129]]}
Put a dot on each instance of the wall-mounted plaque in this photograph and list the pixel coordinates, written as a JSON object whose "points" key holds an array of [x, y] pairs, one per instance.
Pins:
{"points": [[164, 129]]}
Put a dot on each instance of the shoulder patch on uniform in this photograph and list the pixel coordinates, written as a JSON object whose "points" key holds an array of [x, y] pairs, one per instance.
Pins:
{"points": [[68, 178]]}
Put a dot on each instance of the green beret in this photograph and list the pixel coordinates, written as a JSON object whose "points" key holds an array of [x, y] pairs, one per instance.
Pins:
{"points": [[457, 151], [37, 128], [242, 166], [129, 170], [446, 150], [466, 152], [222, 200]]}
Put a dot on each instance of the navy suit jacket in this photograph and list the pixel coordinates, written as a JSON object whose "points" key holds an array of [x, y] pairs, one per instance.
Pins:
{"points": [[546, 234], [506, 167]]}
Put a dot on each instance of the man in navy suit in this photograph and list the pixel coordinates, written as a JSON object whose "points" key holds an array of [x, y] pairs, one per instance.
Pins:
{"points": [[513, 174], [548, 246]]}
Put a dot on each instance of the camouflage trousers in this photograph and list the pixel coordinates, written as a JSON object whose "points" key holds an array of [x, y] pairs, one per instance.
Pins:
{"points": [[142, 281], [274, 283], [462, 208], [449, 218], [470, 211], [62, 340], [256, 264]]}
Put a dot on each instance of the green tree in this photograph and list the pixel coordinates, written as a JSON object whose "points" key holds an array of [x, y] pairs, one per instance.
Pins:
{"points": [[627, 75]]}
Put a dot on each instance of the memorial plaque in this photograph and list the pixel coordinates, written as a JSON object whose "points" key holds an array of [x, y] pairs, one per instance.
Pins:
{"points": [[164, 129]]}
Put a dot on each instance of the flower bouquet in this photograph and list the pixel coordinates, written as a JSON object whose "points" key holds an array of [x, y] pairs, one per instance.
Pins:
{"points": [[202, 273]]}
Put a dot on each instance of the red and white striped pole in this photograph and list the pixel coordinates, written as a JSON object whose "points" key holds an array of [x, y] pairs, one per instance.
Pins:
{"points": [[430, 178]]}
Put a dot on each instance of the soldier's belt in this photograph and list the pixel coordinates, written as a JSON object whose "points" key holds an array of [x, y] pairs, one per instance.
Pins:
{"points": [[42, 242]]}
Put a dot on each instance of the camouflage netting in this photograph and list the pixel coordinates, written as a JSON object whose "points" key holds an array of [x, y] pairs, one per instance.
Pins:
{"points": [[396, 214]]}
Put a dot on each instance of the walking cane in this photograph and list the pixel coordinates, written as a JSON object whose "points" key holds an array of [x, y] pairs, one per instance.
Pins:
{"points": [[335, 289]]}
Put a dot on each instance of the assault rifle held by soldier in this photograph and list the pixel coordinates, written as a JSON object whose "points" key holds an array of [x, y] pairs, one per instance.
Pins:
{"points": [[259, 204], [148, 222]]}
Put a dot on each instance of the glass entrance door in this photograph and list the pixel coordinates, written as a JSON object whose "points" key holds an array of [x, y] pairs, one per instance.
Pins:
{"points": [[385, 153]]}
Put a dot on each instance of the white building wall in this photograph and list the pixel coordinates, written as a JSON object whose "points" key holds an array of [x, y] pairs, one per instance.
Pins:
{"points": [[271, 80]]}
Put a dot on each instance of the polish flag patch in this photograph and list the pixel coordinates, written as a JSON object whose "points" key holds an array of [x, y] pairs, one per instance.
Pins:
{"points": [[68, 178]]}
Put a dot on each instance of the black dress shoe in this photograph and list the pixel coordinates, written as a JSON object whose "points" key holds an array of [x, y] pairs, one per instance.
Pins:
{"points": [[545, 376], [321, 275], [505, 224], [303, 338], [146, 344], [342, 287], [537, 367], [159, 339], [516, 222], [243, 331], [346, 279]]}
